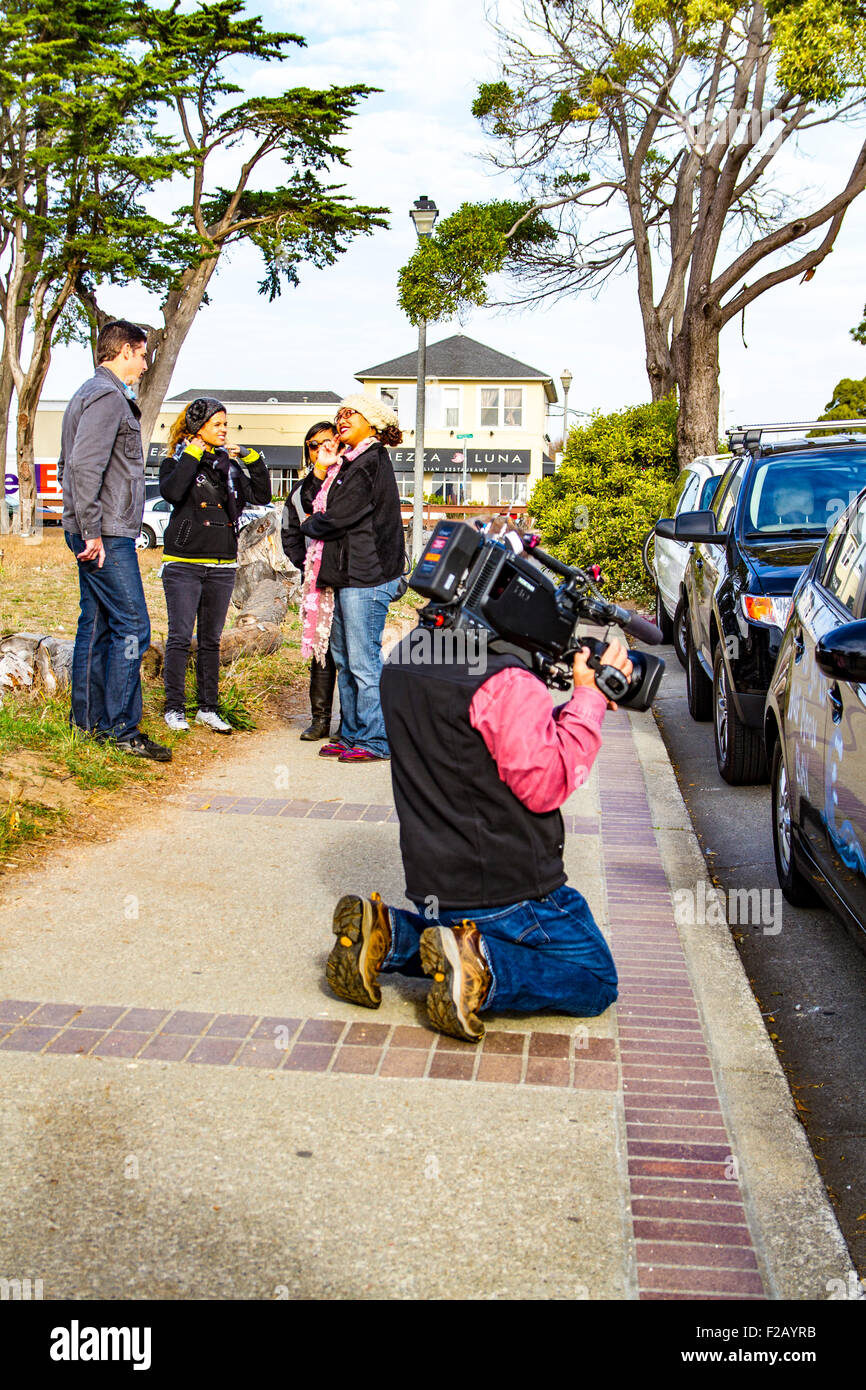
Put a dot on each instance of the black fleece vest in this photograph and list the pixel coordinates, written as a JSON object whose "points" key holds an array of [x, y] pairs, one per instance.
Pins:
{"points": [[465, 838]]}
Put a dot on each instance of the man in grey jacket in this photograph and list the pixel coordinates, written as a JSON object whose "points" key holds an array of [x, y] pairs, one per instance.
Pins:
{"points": [[101, 471]]}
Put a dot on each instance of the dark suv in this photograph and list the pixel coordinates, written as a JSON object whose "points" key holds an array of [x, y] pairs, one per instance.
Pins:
{"points": [[770, 514]]}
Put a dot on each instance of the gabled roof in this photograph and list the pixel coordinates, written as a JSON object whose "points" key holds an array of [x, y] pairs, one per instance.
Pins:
{"points": [[260, 397], [462, 358]]}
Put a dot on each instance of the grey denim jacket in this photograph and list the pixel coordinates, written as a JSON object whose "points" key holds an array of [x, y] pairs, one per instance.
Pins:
{"points": [[101, 465]]}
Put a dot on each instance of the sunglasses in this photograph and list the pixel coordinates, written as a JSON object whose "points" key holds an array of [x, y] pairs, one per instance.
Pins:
{"points": [[314, 443]]}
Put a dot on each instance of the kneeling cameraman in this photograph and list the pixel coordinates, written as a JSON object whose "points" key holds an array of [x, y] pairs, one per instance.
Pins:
{"points": [[480, 764]]}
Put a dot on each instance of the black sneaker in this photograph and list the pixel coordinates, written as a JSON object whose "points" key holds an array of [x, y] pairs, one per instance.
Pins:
{"points": [[140, 746]]}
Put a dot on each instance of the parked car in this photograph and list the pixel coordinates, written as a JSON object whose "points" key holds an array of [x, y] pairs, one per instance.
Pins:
{"points": [[771, 513], [815, 728], [693, 491], [157, 515]]}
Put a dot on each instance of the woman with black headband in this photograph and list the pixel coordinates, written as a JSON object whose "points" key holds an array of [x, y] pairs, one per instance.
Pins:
{"points": [[208, 490]]}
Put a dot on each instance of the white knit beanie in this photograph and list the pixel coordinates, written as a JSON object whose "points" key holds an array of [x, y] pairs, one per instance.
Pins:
{"points": [[376, 412]]}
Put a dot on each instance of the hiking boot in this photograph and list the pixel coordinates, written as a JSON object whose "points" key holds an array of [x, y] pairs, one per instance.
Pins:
{"points": [[363, 933], [140, 746], [461, 979]]}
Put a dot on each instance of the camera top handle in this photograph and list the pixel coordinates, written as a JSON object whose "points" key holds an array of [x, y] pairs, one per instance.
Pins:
{"points": [[594, 605]]}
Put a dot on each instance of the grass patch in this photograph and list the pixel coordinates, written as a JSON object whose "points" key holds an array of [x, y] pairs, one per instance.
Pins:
{"points": [[40, 722], [21, 821]]}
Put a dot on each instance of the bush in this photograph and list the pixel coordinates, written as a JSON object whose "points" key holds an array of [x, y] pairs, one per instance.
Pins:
{"points": [[614, 483]]}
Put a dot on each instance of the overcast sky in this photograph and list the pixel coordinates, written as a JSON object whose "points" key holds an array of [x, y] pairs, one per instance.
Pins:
{"points": [[418, 137]]}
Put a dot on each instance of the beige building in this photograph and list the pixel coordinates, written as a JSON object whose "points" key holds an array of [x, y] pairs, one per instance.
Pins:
{"points": [[471, 390], [484, 437]]}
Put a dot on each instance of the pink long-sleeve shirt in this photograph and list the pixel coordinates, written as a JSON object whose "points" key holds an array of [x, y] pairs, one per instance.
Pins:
{"points": [[542, 754]]}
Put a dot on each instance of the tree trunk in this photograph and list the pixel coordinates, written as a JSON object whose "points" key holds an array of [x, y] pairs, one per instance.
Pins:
{"points": [[696, 362], [6, 388], [179, 311]]}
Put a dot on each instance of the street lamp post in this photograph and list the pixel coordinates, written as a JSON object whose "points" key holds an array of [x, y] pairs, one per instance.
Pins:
{"points": [[423, 214], [566, 380]]}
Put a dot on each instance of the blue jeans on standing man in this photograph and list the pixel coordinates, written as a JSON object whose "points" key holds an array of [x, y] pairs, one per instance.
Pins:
{"points": [[113, 635], [356, 645], [543, 953]]}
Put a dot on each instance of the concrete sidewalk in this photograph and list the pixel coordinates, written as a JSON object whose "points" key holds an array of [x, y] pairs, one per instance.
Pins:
{"points": [[189, 1113]]}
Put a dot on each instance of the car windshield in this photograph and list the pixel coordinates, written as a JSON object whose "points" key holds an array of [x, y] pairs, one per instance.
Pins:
{"points": [[793, 495]]}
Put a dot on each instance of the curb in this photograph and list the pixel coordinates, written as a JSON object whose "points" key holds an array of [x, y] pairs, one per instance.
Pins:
{"points": [[796, 1235]]}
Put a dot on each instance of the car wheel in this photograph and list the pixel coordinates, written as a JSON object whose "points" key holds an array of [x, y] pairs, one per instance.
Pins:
{"points": [[663, 622], [147, 539], [699, 689], [680, 632], [739, 749], [795, 886]]}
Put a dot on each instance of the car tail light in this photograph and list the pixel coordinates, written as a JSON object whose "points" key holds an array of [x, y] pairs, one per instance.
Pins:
{"points": [[766, 609]]}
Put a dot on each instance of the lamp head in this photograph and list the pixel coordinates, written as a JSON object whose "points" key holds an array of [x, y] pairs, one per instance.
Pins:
{"points": [[424, 214]]}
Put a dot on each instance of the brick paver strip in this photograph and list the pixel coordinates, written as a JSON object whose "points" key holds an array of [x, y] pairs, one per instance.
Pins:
{"points": [[405, 1061], [282, 1029], [230, 1025], [361, 1061], [321, 1030], [367, 1034], [453, 1066], [119, 1044], [547, 1071], [98, 1016], [144, 1020], [407, 1036], [27, 1039], [686, 1210], [76, 1040], [215, 1051], [310, 1057], [549, 1045], [499, 1067], [188, 1022], [16, 1010], [54, 1013]]}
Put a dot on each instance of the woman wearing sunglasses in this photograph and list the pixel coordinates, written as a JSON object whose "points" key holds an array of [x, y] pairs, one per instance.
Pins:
{"points": [[352, 571], [323, 674]]}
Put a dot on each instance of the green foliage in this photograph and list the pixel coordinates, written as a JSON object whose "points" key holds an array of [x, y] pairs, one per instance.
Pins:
{"points": [[859, 333], [822, 48], [449, 270], [612, 486], [849, 401]]}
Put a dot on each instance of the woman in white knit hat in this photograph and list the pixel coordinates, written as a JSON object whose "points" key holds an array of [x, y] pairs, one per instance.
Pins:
{"points": [[353, 571]]}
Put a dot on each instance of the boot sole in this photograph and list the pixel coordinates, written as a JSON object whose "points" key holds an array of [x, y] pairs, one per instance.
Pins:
{"points": [[440, 956], [344, 971]]}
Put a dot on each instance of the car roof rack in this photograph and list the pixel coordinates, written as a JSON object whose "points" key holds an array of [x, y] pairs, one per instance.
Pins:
{"points": [[749, 437]]}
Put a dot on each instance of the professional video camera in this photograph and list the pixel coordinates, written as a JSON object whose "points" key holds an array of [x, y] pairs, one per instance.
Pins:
{"points": [[474, 581]]}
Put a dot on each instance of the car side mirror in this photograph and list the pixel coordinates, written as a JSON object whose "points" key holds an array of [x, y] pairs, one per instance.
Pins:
{"points": [[842, 653], [699, 527], [665, 527]]}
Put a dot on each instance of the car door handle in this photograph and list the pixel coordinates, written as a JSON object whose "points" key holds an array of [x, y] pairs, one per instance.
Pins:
{"points": [[799, 644], [836, 703]]}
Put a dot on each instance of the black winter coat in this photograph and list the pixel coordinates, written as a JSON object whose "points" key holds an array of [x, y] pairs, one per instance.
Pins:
{"points": [[294, 541], [361, 525], [200, 526]]}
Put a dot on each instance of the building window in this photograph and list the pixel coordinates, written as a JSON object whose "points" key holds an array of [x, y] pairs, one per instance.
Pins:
{"points": [[506, 487], [405, 484], [448, 488], [501, 407], [390, 396], [450, 407], [282, 481]]}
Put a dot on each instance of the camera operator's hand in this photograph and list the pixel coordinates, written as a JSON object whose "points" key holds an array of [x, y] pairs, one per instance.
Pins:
{"points": [[614, 654]]}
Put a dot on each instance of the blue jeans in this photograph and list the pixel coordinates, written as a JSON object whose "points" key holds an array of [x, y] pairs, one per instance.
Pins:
{"points": [[356, 645], [113, 635], [543, 953]]}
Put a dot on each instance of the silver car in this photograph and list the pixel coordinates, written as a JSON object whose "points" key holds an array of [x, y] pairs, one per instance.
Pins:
{"points": [[693, 491]]}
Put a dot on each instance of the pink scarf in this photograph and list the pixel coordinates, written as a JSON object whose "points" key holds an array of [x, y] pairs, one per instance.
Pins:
{"points": [[317, 605]]}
